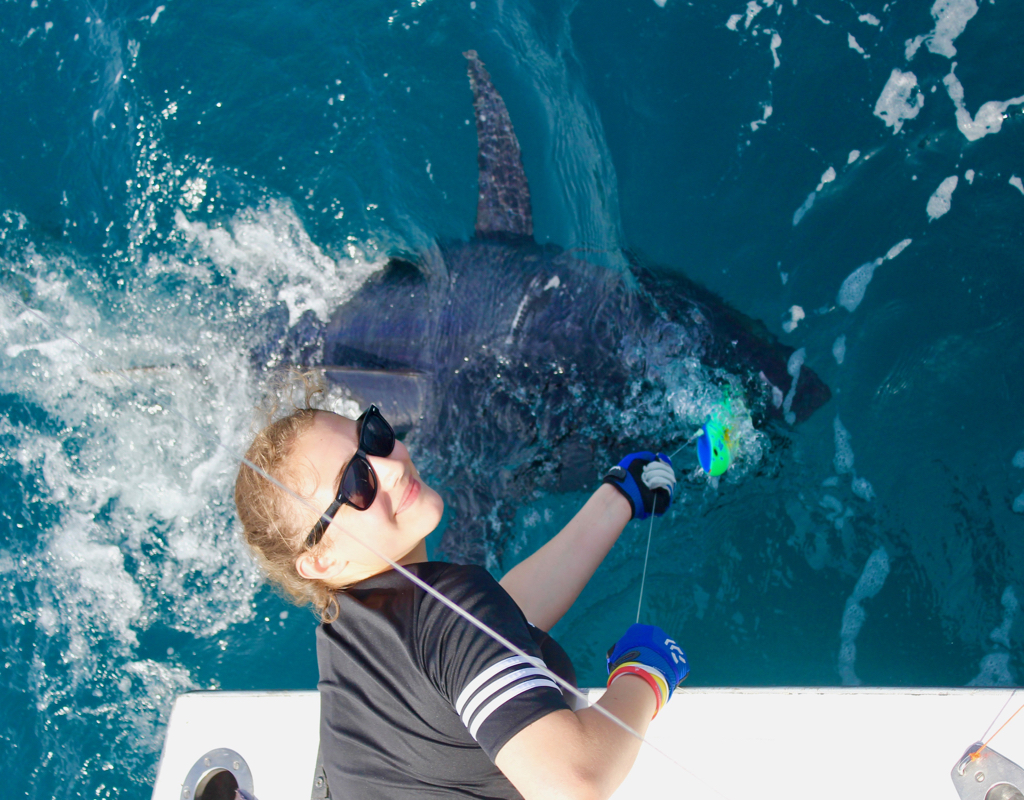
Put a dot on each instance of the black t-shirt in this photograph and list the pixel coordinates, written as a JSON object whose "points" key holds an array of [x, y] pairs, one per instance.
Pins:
{"points": [[415, 701]]}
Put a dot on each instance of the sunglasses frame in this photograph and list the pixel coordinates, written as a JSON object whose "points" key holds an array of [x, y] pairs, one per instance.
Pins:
{"points": [[317, 533]]}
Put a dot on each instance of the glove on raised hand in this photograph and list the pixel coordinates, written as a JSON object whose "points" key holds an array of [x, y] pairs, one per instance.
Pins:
{"points": [[650, 653], [646, 480]]}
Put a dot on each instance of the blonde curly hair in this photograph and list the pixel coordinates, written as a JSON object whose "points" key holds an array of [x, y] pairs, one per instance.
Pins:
{"points": [[272, 524]]}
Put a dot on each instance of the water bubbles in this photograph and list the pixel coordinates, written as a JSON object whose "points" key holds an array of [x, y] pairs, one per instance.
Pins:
{"points": [[702, 397]]}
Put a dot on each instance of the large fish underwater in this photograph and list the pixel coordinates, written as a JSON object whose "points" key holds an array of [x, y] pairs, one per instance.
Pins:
{"points": [[516, 368]]}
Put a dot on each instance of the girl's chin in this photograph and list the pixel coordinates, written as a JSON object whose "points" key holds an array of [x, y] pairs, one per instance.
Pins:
{"points": [[429, 499], [433, 509]]}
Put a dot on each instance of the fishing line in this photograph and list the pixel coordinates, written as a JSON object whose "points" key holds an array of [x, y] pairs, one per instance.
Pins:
{"points": [[997, 716], [482, 626], [684, 444], [690, 440], [650, 529], [976, 753], [643, 580]]}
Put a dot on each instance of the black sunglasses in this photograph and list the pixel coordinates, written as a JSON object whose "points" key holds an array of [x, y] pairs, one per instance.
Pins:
{"points": [[359, 482]]}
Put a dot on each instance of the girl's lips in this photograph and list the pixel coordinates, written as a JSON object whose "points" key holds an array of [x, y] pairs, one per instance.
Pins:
{"points": [[410, 496]]}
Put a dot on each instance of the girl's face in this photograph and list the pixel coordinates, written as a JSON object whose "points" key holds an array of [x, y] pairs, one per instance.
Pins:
{"points": [[404, 511]]}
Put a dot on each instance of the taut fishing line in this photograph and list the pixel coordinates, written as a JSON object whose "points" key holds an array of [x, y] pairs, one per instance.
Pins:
{"points": [[643, 579], [650, 530], [997, 716], [679, 449], [482, 626]]}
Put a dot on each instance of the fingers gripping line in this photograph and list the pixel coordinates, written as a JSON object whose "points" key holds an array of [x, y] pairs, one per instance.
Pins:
{"points": [[660, 475]]}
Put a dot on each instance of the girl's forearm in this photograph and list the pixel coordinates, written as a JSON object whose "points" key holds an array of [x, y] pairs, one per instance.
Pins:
{"points": [[547, 583], [581, 755]]}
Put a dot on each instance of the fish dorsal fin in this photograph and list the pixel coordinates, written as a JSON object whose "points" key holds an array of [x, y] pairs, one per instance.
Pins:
{"points": [[503, 208]]}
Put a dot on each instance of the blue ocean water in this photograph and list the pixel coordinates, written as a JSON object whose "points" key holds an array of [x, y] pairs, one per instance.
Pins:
{"points": [[849, 173]]}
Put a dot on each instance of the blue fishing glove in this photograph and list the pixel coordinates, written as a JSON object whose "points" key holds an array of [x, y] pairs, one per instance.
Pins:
{"points": [[646, 650], [646, 480]]}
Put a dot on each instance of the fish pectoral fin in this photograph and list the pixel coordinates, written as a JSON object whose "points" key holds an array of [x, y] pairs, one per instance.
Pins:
{"points": [[401, 395]]}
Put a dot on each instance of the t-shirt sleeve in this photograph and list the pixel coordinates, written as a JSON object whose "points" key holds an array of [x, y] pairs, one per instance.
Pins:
{"points": [[494, 691]]}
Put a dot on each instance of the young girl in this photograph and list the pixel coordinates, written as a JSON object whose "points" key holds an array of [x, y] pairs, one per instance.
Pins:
{"points": [[415, 700]]}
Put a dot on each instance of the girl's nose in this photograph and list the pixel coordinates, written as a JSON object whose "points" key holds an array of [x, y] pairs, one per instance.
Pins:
{"points": [[390, 469]]}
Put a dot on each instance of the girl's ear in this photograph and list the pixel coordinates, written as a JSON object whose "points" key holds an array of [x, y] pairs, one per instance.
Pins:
{"points": [[323, 567]]}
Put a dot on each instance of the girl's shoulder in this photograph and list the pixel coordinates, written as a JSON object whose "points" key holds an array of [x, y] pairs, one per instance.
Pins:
{"points": [[457, 581]]}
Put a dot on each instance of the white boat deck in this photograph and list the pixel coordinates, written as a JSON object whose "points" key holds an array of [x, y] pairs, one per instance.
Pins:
{"points": [[786, 743]]}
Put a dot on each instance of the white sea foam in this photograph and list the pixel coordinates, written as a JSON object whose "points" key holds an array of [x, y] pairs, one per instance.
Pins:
{"points": [[734, 21], [753, 9], [1017, 184], [995, 666], [832, 504], [856, 283], [940, 201], [152, 469], [871, 580], [900, 100], [796, 313], [876, 570], [995, 671], [796, 361], [990, 116], [147, 688], [854, 155], [852, 42], [863, 489], [89, 576], [808, 204], [870, 19], [827, 176], [775, 45], [897, 248], [766, 113], [140, 523], [951, 18], [1011, 606], [851, 292], [839, 349], [844, 450], [270, 245], [969, 176]]}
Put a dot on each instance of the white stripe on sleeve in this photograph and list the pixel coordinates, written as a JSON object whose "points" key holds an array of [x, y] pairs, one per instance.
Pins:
{"points": [[494, 687], [489, 673], [500, 700]]}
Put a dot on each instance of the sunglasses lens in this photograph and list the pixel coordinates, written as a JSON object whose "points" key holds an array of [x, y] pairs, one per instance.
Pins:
{"points": [[359, 484], [376, 437]]}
